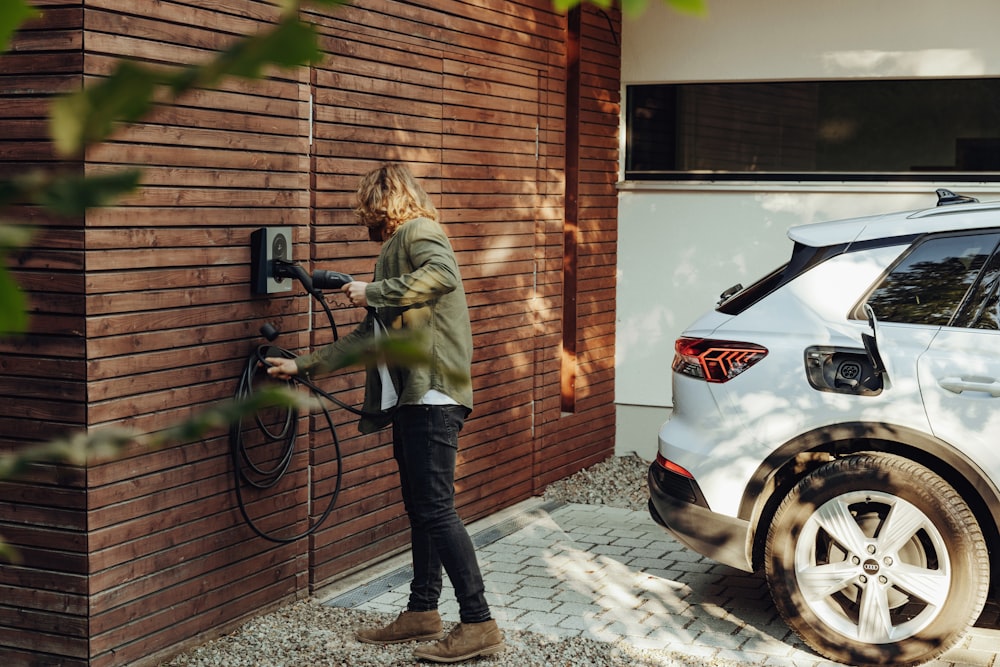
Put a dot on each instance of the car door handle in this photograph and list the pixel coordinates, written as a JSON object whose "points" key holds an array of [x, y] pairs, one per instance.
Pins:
{"points": [[984, 385]]}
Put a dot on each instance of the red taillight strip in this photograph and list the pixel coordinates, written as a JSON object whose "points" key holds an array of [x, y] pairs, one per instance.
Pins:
{"points": [[715, 360], [672, 467]]}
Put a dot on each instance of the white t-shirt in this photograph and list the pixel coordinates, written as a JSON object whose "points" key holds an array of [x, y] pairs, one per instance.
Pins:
{"points": [[389, 396]]}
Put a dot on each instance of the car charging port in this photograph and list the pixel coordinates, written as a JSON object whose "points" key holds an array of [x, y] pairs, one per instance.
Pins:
{"points": [[842, 370]]}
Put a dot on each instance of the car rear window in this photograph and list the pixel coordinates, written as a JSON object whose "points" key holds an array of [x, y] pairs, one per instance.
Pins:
{"points": [[803, 258]]}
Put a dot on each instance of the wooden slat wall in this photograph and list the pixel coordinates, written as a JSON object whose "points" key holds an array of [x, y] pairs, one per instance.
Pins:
{"points": [[568, 443], [486, 135], [47, 373], [171, 323], [43, 598], [470, 94]]}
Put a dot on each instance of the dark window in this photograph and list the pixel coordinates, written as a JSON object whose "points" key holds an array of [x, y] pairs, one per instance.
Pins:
{"points": [[930, 283], [814, 130], [803, 258], [982, 309]]}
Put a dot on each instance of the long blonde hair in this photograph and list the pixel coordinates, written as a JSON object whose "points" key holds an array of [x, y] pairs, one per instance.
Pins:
{"points": [[389, 196]]}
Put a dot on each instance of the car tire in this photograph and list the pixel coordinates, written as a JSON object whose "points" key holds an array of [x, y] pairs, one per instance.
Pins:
{"points": [[901, 590]]}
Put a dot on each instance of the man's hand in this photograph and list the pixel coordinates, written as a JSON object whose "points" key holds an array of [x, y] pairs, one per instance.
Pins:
{"points": [[355, 293], [281, 368]]}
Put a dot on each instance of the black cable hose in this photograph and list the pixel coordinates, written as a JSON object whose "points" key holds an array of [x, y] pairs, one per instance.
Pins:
{"points": [[244, 468], [265, 478], [245, 471]]}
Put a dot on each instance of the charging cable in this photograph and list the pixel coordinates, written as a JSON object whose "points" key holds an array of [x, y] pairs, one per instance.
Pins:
{"points": [[245, 470]]}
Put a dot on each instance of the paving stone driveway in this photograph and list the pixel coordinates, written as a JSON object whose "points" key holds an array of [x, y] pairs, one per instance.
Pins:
{"points": [[606, 573]]}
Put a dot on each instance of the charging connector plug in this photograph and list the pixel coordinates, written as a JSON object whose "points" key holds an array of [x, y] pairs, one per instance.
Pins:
{"points": [[330, 279], [320, 279], [282, 268]]}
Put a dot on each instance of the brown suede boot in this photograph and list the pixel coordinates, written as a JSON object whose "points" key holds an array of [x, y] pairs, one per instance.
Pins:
{"points": [[409, 626], [465, 641]]}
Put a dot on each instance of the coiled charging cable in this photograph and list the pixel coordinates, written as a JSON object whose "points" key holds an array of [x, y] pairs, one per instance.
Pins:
{"points": [[245, 470]]}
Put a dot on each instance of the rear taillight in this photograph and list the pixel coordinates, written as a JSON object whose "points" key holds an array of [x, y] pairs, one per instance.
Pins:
{"points": [[667, 464], [714, 360]]}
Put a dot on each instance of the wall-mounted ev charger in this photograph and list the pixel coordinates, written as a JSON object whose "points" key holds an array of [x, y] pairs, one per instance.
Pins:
{"points": [[268, 244]]}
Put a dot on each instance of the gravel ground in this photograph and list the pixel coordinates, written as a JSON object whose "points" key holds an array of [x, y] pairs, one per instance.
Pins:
{"points": [[616, 482], [307, 633]]}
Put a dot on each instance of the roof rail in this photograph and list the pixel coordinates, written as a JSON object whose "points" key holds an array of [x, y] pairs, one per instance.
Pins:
{"points": [[947, 204]]}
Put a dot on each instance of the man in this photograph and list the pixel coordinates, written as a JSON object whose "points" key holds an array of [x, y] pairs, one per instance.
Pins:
{"points": [[417, 287]]}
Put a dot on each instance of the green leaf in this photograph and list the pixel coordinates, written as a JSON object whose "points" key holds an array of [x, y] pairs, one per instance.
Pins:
{"points": [[13, 306], [8, 553], [107, 444], [229, 412], [697, 7], [12, 14], [634, 8], [89, 115], [328, 3], [13, 236], [292, 7], [563, 6], [66, 194], [9, 192], [73, 195], [290, 44]]}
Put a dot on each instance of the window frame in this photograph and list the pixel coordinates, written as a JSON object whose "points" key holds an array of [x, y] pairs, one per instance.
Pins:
{"points": [[631, 174], [858, 311]]}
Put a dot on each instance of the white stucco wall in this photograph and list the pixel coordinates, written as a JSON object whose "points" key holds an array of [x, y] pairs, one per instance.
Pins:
{"points": [[681, 244], [807, 39]]}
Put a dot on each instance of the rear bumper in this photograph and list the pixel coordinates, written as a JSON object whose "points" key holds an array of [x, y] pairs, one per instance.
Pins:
{"points": [[676, 503]]}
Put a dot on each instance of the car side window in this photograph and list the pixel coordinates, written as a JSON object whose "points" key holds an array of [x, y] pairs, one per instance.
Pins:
{"points": [[931, 283], [982, 308]]}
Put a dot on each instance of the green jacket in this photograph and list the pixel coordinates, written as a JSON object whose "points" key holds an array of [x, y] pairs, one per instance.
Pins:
{"points": [[417, 287]]}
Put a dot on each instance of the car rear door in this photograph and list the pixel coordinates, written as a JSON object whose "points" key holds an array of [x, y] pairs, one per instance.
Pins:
{"points": [[960, 383], [944, 294], [960, 373]]}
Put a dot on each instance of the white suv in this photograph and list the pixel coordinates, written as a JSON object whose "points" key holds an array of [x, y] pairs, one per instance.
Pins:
{"points": [[837, 424]]}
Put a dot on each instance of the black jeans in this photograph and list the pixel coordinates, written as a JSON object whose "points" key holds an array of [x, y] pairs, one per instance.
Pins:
{"points": [[425, 443]]}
